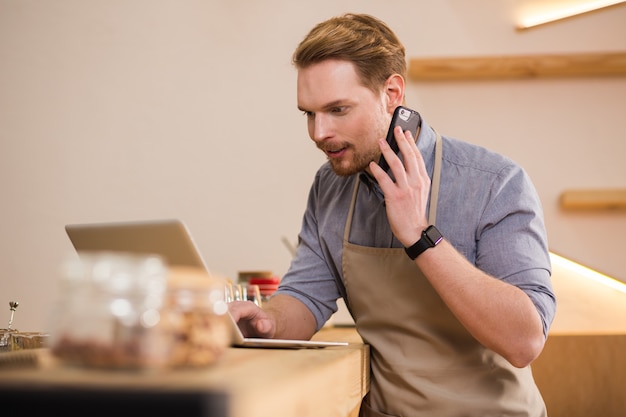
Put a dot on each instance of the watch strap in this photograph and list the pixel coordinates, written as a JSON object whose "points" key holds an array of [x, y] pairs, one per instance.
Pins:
{"points": [[425, 242], [417, 248]]}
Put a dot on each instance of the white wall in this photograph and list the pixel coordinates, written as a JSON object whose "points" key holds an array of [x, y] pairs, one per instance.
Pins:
{"points": [[134, 109]]}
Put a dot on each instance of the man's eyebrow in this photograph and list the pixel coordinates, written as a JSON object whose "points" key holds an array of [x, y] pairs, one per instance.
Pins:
{"points": [[327, 106]]}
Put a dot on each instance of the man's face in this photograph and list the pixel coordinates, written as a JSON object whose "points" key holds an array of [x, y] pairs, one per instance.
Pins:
{"points": [[345, 119]]}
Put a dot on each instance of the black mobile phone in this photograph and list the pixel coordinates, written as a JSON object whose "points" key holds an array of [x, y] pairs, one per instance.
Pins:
{"points": [[409, 120]]}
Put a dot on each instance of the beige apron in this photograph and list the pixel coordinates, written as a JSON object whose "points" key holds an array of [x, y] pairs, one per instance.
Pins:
{"points": [[423, 361]]}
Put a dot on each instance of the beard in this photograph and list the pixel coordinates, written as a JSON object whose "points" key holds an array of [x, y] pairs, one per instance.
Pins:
{"points": [[345, 167], [363, 148]]}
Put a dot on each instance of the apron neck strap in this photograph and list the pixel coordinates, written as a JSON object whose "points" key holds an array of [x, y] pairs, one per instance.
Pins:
{"points": [[434, 185]]}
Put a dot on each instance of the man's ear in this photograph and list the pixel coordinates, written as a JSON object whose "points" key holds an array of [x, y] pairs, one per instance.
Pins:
{"points": [[394, 92]]}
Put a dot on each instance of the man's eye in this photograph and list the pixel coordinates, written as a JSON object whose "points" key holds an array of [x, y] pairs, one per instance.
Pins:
{"points": [[338, 110], [307, 113]]}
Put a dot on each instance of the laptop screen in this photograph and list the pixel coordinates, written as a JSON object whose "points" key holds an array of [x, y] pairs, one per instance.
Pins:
{"points": [[169, 239]]}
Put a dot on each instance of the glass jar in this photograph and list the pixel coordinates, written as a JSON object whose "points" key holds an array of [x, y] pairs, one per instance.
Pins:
{"points": [[123, 311], [108, 312], [195, 317]]}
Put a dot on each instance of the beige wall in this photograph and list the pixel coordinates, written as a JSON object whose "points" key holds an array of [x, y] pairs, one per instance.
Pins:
{"points": [[124, 109]]}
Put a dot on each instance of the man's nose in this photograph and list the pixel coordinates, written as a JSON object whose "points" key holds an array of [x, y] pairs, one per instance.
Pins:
{"points": [[321, 128]]}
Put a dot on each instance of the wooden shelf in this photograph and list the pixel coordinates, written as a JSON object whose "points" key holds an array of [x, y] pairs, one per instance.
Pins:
{"points": [[608, 64], [603, 199]]}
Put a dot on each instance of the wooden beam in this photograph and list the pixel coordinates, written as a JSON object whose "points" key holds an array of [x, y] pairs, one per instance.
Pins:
{"points": [[522, 66], [603, 199]]}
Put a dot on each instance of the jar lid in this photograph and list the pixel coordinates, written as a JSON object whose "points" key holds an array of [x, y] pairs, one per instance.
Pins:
{"points": [[274, 280], [116, 272], [183, 277]]}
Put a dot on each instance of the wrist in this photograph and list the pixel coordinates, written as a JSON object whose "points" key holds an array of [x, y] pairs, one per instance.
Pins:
{"points": [[429, 238]]}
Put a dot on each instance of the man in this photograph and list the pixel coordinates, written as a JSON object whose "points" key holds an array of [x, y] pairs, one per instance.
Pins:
{"points": [[453, 323]]}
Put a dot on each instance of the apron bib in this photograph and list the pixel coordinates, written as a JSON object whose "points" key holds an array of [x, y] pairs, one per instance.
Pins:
{"points": [[423, 361]]}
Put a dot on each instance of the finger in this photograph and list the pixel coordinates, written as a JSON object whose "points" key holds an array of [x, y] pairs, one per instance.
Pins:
{"points": [[395, 165], [250, 319], [380, 175], [406, 145], [413, 161], [264, 327], [243, 310], [407, 148], [398, 167]]}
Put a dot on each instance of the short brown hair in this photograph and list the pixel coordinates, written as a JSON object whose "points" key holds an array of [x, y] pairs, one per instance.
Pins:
{"points": [[364, 40]]}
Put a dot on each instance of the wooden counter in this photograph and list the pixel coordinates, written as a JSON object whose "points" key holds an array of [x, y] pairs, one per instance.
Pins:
{"points": [[246, 382], [581, 372]]}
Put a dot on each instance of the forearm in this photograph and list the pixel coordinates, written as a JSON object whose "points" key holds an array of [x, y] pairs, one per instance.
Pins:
{"points": [[292, 319], [499, 315]]}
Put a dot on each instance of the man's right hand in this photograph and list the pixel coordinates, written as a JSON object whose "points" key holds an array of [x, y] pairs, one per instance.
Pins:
{"points": [[252, 320]]}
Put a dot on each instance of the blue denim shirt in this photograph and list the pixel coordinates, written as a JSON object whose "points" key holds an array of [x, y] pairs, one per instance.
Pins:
{"points": [[488, 210]]}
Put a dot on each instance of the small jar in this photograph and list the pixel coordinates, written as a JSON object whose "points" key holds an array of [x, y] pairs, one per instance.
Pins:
{"points": [[194, 316], [267, 286], [265, 281]]}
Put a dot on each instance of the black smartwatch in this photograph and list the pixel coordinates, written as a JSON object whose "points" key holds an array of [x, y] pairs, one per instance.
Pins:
{"points": [[430, 238]]}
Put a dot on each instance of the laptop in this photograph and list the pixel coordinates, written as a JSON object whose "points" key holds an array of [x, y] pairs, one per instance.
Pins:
{"points": [[170, 239], [257, 342]]}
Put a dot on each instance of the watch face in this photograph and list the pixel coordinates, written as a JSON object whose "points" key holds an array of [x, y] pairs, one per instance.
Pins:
{"points": [[433, 235]]}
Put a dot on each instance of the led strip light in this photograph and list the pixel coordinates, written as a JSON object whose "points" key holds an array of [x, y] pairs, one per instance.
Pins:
{"points": [[588, 273], [565, 12]]}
